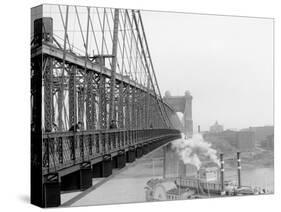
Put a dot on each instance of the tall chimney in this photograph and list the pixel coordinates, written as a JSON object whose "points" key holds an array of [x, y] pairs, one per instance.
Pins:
{"points": [[239, 169], [198, 128], [222, 174]]}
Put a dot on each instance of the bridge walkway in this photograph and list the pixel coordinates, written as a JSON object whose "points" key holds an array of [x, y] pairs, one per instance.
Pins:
{"points": [[80, 159], [125, 185]]}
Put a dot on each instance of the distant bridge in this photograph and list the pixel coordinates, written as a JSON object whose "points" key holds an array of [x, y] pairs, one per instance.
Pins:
{"points": [[96, 103]]}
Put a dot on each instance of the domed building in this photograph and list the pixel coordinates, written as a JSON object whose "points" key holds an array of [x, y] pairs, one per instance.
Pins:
{"points": [[216, 128], [167, 94]]}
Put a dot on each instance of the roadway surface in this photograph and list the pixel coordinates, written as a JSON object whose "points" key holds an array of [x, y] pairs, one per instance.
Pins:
{"points": [[123, 186]]}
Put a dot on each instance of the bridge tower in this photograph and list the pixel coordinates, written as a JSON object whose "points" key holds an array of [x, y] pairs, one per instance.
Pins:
{"points": [[187, 116], [182, 104]]}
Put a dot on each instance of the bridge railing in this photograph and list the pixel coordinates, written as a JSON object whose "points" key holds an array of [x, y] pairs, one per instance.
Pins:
{"points": [[65, 149]]}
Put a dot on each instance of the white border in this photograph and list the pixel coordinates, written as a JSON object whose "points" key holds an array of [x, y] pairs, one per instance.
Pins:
{"points": [[15, 85]]}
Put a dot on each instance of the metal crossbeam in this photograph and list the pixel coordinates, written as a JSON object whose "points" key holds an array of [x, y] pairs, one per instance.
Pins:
{"points": [[93, 72]]}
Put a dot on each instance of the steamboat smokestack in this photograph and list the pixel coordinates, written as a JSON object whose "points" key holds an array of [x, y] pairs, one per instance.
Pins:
{"points": [[239, 169], [222, 174]]}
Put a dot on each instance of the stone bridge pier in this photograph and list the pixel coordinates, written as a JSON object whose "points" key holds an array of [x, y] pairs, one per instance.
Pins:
{"points": [[182, 104]]}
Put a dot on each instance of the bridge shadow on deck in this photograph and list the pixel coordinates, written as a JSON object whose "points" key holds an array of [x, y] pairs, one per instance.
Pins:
{"points": [[82, 179]]}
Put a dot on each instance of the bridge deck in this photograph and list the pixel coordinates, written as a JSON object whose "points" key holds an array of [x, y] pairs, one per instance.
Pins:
{"points": [[126, 185]]}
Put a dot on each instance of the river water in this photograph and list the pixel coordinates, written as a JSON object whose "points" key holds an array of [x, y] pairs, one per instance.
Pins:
{"points": [[262, 177], [129, 184]]}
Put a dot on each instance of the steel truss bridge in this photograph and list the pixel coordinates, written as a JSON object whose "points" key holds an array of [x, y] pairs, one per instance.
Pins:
{"points": [[91, 66]]}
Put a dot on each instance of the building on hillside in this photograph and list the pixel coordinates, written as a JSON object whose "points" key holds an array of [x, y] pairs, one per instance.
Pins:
{"points": [[230, 136], [261, 132], [246, 140], [242, 140], [216, 128], [268, 142]]}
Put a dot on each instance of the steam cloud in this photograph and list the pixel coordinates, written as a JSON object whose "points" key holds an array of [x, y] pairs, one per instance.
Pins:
{"points": [[195, 149]]}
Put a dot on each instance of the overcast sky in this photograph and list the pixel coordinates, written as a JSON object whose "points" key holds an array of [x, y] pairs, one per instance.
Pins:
{"points": [[226, 63]]}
